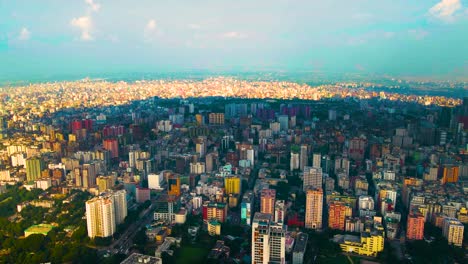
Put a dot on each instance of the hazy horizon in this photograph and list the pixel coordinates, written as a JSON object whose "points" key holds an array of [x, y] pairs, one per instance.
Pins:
{"points": [[413, 40]]}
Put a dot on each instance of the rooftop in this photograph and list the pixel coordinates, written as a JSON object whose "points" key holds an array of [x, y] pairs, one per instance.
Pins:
{"points": [[140, 258]]}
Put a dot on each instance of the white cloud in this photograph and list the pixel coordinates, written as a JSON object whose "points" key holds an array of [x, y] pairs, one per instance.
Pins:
{"points": [[94, 6], [24, 34], [234, 35], [194, 26], [445, 10], [418, 34], [151, 25], [85, 25], [151, 30]]}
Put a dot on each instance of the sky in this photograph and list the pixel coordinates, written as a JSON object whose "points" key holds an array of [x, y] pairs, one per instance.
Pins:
{"points": [[401, 38]]}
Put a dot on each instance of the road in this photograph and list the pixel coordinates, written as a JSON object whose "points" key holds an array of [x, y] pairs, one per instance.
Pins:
{"points": [[125, 241]]}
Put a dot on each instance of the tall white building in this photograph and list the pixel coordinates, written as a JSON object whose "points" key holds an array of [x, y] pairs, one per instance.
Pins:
{"points": [[154, 181], [100, 217], [312, 177], [304, 159], [268, 240], [120, 205], [294, 162], [366, 202], [197, 167], [317, 160]]}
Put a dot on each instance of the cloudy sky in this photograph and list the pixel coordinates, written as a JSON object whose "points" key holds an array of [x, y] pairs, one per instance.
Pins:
{"points": [[391, 37]]}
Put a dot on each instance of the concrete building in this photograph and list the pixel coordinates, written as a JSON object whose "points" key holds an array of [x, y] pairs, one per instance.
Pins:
{"points": [[232, 185], [34, 167], [415, 226], [280, 211], [452, 230], [314, 208], [154, 181], [317, 160], [304, 158], [294, 163], [267, 201], [312, 177], [268, 240], [136, 258], [100, 217], [300, 248]]}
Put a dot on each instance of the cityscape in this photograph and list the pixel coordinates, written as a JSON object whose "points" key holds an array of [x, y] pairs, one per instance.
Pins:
{"points": [[147, 161]]}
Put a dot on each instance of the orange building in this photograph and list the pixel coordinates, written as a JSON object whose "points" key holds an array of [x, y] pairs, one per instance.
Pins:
{"points": [[337, 213], [267, 201], [216, 211], [173, 185], [415, 226], [450, 174], [112, 146], [314, 208]]}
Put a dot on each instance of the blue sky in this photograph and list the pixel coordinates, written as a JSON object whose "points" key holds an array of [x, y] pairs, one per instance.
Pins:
{"points": [[402, 38]]}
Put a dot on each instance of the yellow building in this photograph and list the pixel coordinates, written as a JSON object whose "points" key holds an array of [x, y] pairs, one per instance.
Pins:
{"points": [[450, 174], [462, 215], [214, 228], [369, 244], [452, 230], [104, 183], [232, 185], [233, 200]]}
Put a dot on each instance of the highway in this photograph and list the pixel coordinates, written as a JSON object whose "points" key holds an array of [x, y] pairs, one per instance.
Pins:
{"points": [[125, 241]]}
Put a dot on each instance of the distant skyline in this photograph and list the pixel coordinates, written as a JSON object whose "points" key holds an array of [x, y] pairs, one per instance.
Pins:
{"points": [[407, 39]]}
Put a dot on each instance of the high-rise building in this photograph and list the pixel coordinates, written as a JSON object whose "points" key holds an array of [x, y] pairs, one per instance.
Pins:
{"points": [[200, 146], [120, 205], [304, 158], [173, 185], [415, 226], [100, 217], [216, 211], [142, 195], [280, 211], [366, 202], [34, 167], [89, 175], [267, 201], [277, 243], [197, 167], [317, 160], [261, 238], [452, 230], [268, 240], [232, 185], [312, 177], [284, 122], [247, 207], [216, 118], [154, 181], [450, 174], [337, 213], [300, 248], [314, 208], [294, 163], [357, 148], [112, 145], [104, 183]]}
